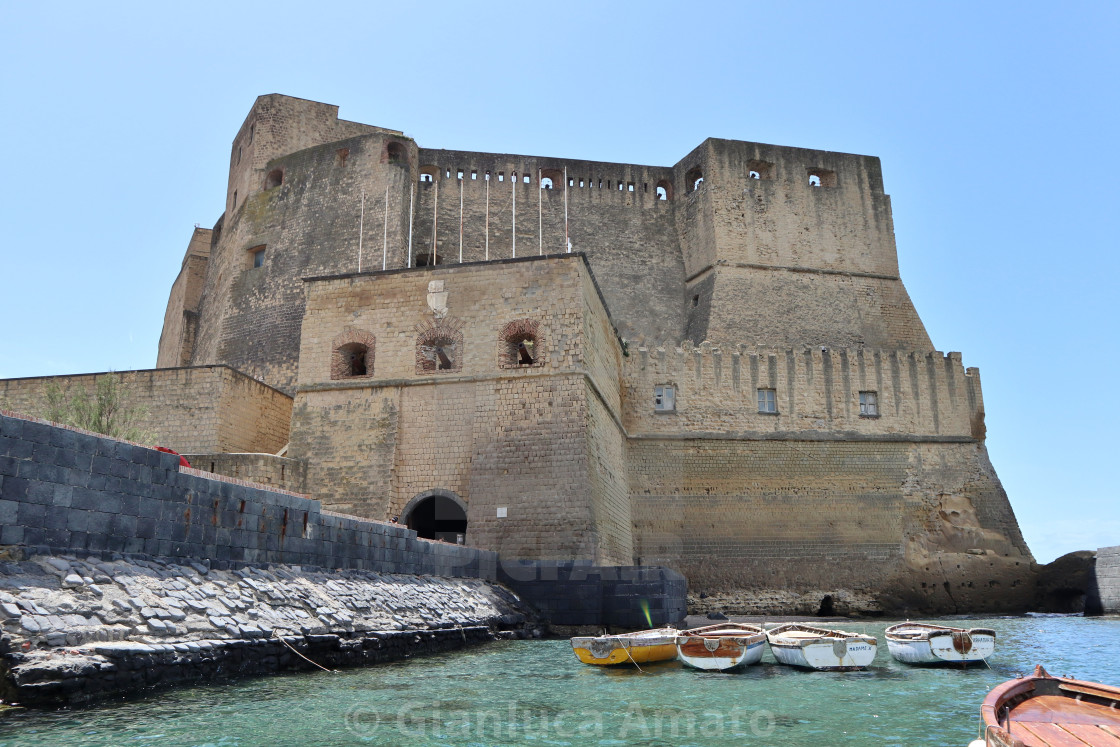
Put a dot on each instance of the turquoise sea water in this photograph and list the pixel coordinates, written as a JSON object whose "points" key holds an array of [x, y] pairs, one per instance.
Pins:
{"points": [[537, 693]]}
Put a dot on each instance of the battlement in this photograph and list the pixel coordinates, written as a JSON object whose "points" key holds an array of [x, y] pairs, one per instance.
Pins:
{"points": [[811, 392]]}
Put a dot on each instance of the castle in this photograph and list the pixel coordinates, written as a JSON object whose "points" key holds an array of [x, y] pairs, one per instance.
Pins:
{"points": [[712, 366]]}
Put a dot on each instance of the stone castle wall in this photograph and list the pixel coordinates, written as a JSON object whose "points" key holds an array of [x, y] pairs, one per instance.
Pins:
{"points": [[817, 392], [492, 435], [196, 410], [920, 526], [775, 266], [817, 264], [180, 322]]}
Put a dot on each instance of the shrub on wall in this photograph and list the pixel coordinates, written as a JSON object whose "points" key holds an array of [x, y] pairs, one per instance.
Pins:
{"points": [[108, 411]]}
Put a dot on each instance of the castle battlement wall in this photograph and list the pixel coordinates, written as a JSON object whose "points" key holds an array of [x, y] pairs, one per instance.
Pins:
{"points": [[817, 392]]}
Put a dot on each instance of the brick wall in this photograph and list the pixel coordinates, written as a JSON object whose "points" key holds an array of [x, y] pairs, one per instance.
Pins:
{"points": [[203, 409], [68, 491]]}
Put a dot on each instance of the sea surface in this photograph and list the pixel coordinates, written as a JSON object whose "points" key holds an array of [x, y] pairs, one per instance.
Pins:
{"points": [[537, 693]]}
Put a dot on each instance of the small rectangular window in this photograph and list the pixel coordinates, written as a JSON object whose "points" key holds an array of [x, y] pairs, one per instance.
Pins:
{"points": [[629, 186], [474, 175], [869, 404], [459, 175], [256, 255], [581, 183], [501, 176], [768, 401], [527, 181], [664, 399]]}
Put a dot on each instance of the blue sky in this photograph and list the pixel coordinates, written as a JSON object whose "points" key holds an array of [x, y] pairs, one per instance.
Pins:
{"points": [[994, 121]]}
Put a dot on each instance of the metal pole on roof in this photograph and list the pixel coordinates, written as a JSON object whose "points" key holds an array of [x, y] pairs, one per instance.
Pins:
{"points": [[513, 191], [385, 233], [361, 227], [540, 214], [461, 180], [567, 241], [411, 199], [435, 221], [487, 215]]}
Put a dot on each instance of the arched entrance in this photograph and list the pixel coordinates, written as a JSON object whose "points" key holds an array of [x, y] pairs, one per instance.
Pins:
{"points": [[437, 515]]}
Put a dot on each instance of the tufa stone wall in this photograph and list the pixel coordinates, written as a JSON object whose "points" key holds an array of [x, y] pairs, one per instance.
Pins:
{"points": [[816, 265], [201, 409], [535, 441], [817, 392], [262, 469], [180, 322], [914, 526]]}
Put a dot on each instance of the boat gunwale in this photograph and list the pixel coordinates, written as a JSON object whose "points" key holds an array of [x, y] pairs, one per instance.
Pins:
{"points": [[929, 630], [652, 637], [746, 634], [774, 636], [1023, 689]]}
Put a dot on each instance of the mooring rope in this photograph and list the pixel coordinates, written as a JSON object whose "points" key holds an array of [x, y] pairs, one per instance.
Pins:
{"points": [[297, 653], [627, 650]]}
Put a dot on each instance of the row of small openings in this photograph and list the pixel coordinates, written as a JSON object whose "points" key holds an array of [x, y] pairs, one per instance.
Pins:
{"points": [[439, 352], [665, 400], [664, 188], [763, 171]]}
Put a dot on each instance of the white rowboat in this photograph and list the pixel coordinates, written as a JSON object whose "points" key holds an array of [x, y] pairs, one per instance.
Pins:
{"points": [[922, 643], [721, 647], [820, 648]]}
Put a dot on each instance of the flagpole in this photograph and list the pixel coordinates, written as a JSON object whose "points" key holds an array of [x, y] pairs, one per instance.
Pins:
{"points": [[361, 227], [385, 233], [411, 200]]}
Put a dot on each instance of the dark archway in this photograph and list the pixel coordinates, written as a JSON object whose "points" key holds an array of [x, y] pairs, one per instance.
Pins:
{"points": [[437, 517]]}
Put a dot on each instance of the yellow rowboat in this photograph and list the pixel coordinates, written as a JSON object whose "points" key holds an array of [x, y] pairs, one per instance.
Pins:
{"points": [[627, 648]]}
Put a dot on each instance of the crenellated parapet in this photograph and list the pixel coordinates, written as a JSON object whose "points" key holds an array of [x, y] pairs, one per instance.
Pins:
{"points": [[817, 392]]}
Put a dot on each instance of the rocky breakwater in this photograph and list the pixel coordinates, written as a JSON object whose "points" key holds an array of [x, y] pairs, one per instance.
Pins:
{"points": [[79, 629]]}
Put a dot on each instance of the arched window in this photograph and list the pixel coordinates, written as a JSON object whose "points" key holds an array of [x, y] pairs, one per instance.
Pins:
{"points": [[428, 173], [439, 346], [519, 345], [395, 154], [694, 178], [274, 179], [761, 170], [664, 190], [352, 354], [437, 515], [551, 177], [822, 178]]}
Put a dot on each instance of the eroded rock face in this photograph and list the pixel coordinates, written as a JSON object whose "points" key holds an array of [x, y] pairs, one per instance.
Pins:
{"points": [[1067, 584], [76, 629]]}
